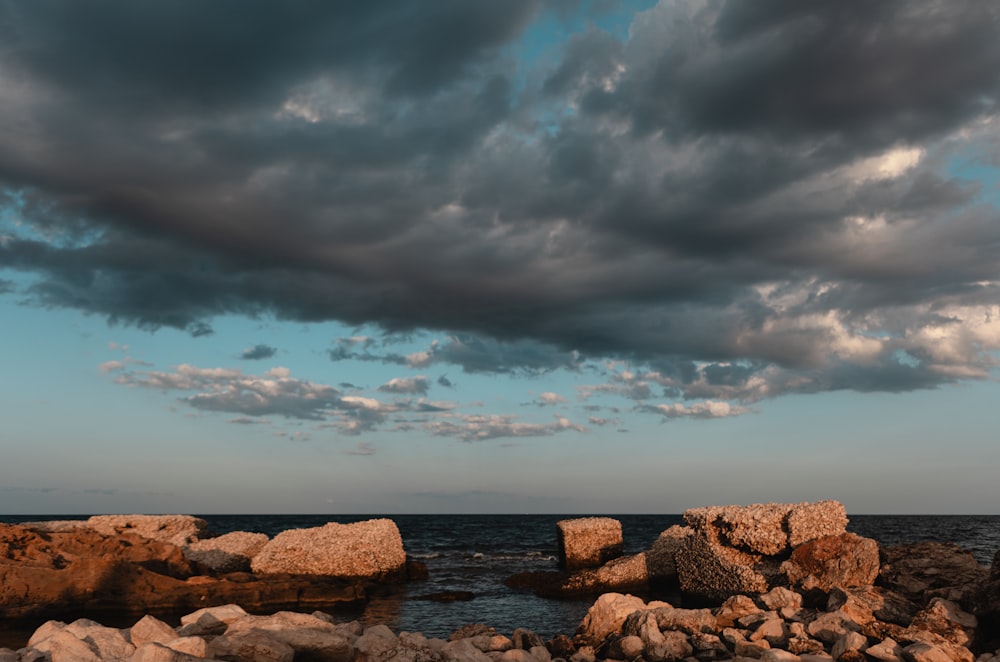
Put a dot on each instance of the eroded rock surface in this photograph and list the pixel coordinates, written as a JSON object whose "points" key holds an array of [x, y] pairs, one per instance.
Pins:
{"points": [[588, 542]]}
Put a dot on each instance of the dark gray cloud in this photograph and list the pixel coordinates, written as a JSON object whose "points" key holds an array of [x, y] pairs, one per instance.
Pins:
{"points": [[7, 286], [258, 352], [746, 199]]}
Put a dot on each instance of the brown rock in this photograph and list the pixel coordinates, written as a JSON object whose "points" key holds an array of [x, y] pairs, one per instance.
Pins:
{"points": [[831, 561], [372, 550], [660, 557], [809, 521], [756, 529], [945, 618], [607, 615], [588, 542], [227, 553], [176, 530], [733, 609], [920, 571], [711, 570], [688, 621], [866, 603]]}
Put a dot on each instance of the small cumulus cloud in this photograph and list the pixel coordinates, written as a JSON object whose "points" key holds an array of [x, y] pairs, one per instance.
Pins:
{"points": [[258, 352], [409, 385], [707, 409], [111, 366], [549, 398], [485, 427]]}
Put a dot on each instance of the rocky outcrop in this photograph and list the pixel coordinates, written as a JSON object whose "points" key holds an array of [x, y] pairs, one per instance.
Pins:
{"points": [[747, 549], [661, 556], [371, 550], [231, 552], [173, 529], [588, 542], [925, 570]]}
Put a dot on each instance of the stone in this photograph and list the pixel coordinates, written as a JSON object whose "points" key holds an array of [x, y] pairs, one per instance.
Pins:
{"points": [[833, 561], [371, 549], [176, 530], [64, 646], [713, 571], [109, 643], [210, 620], [588, 542], [830, 626], [754, 649], [733, 609], [778, 655], [755, 529], [920, 571], [149, 628], [660, 561], [525, 639], [254, 646], [673, 646], [779, 597], [809, 521], [850, 641], [773, 630], [921, 652], [156, 652], [377, 644], [227, 553], [631, 647], [886, 650], [310, 636], [804, 644], [688, 621], [913, 635], [867, 603], [947, 619], [463, 650], [516, 655], [606, 616], [196, 646]]}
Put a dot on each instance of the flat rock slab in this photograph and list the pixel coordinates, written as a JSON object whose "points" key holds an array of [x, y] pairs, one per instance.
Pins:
{"points": [[588, 542]]}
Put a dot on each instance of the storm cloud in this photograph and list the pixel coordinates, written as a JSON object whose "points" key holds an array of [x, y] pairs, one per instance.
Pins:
{"points": [[738, 200]]}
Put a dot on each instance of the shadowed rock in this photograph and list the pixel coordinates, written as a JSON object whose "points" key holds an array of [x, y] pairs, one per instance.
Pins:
{"points": [[588, 542]]}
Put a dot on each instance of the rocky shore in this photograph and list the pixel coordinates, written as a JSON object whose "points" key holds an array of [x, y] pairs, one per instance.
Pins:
{"points": [[769, 581]]}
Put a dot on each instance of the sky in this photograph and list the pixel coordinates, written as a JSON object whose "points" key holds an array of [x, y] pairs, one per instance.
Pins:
{"points": [[567, 256]]}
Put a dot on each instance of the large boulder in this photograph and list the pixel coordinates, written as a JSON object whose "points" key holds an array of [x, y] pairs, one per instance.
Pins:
{"points": [[925, 570], [588, 542], [371, 549], [661, 556], [231, 552], [173, 529], [607, 615], [825, 563], [740, 549], [52, 574]]}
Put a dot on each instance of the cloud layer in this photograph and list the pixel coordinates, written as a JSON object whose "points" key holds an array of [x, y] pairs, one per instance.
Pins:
{"points": [[735, 201]]}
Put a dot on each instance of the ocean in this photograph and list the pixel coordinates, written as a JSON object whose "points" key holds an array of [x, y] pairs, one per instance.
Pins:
{"points": [[476, 553]]}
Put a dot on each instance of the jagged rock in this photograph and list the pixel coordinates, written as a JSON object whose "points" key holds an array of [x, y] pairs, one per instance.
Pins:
{"points": [[733, 609], [210, 620], [713, 571], [195, 646], [372, 549], [254, 646], [850, 641], [628, 573], [307, 635], [151, 629], [377, 644], [921, 652], [886, 650], [867, 603], [588, 542], [156, 652], [920, 571], [660, 562], [945, 618], [64, 646], [955, 652], [778, 655], [780, 597], [832, 625], [607, 615], [831, 561], [772, 630], [768, 528], [176, 530], [231, 552], [688, 621]]}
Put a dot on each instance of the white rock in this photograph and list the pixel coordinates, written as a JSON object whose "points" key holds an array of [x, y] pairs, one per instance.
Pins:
{"points": [[177, 530], [255, 646], [156, 652], [149, 628], [607, 615], [231, 552]]}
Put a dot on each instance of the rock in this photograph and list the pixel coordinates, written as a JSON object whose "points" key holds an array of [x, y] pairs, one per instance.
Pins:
{"points": [[672, 646], [688, 621], [64, 646], [768, 528], [660, 562], [920, 571], [945, 618], [254, 646], [778, 655], [156, 652], [955, 652], [809, 521], [307, 635], [886, 650], [833, 561], [588, 542], [631, 647], [525, 639], [372, 550], [850, 641], [866, 603], [921, 652], [713, 571], [227, 553], [754, 649], [779, 597], [176, 530], [830, 626], [629, 573], [463, 650], [211, 620], [377, 644], [733, 609], [607, 615], [196, 646], [109, 643], [150, 628], [772, 630]]}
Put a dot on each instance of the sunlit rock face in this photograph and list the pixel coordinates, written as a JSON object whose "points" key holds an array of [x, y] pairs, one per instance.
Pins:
{"points": [[372, 549], [745, 549], [588, 542]]}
